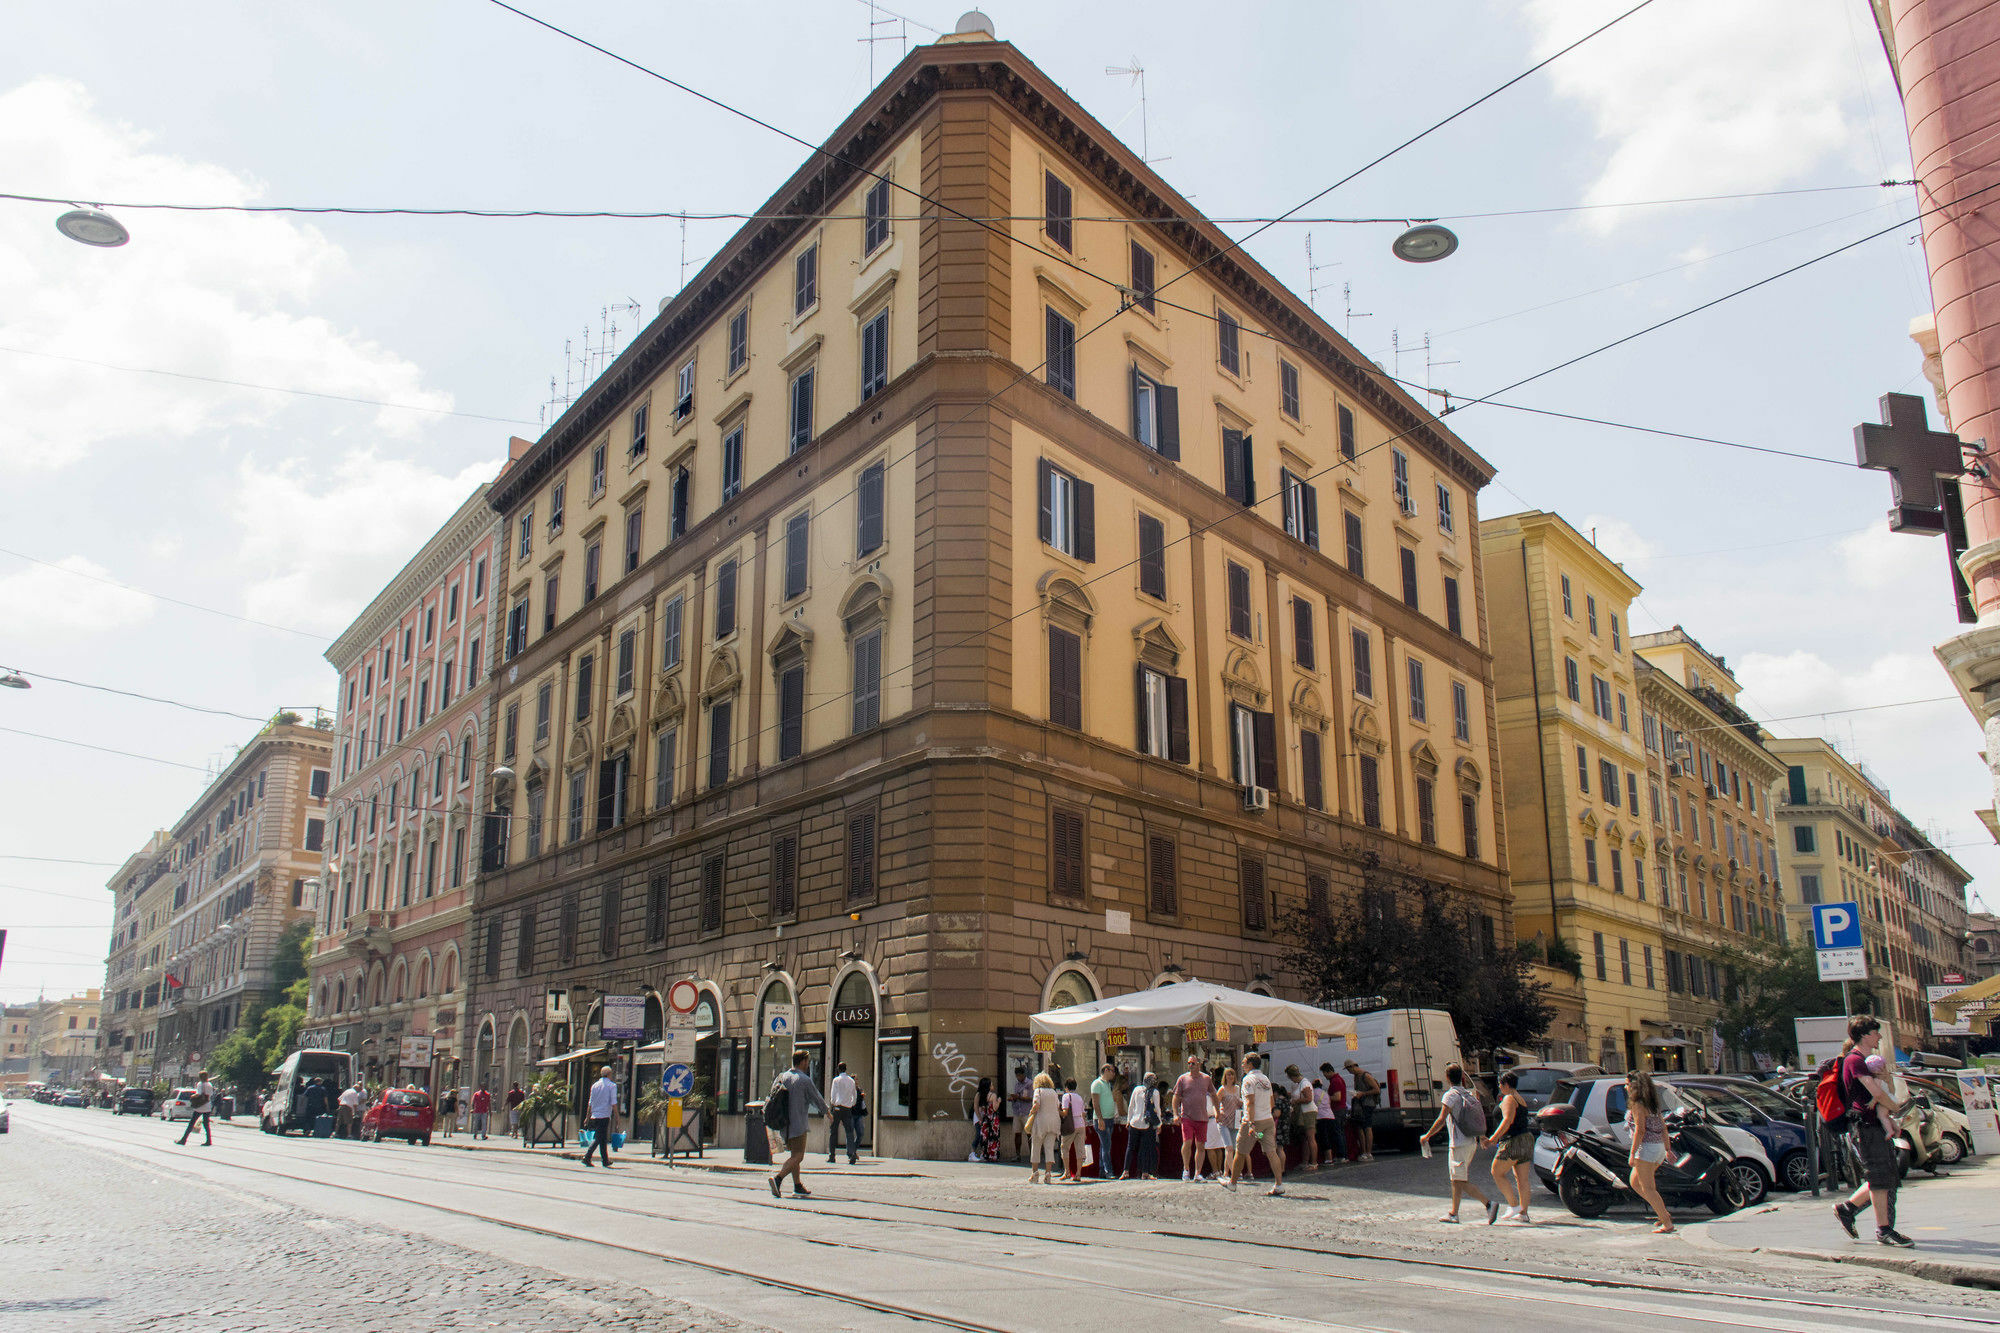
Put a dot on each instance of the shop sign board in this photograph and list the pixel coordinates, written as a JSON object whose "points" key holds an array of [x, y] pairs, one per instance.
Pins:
{"points": [[624, 1017], [417, 1051], [854, 1016], [1940, 1028], [339, 1038]]}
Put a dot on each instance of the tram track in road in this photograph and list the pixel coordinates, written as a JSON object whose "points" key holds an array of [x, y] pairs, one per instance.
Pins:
{"points": [[1120, 1238]]}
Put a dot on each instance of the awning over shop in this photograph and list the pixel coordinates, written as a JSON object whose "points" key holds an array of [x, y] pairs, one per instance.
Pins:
{"points": [[1666, 1041], [1984, 994], [582, 1054], [1185, 1002]]}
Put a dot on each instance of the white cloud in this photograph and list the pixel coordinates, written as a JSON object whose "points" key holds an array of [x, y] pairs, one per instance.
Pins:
{"points": [[1714, 96], [40, 603], [326, 542], [211, 294], [1617, 538], [1877, 560]]}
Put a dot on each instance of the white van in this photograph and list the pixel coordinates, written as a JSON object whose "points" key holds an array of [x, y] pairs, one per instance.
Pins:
{"points": [[285, 1108], [1405, 1049]]}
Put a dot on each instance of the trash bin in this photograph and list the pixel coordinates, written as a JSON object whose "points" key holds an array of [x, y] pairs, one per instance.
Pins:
{"points": [[225, 1107], [756, 1144]]}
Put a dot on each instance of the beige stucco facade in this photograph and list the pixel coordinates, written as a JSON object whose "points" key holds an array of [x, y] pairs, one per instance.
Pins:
{"points": [[141, 907]]}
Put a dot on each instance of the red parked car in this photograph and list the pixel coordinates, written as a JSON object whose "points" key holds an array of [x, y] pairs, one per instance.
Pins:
{"points": [[400, 1113]]}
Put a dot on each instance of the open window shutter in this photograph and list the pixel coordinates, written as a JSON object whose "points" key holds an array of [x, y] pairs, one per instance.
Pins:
{"points": [[1287, 480], [1139, 693], [1249, 472], [493, 842], [607, 783], [1138, 418], [1312, 515], [1177, 719], [1232, 465], [1264, 728], [1042, 487], [1169, 400], [1086, 521], [1238, 761]]}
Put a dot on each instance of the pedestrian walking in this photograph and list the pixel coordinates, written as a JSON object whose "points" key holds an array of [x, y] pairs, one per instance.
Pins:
{"points": [[1075, 1124], [1193, 1093], [1514, 1160], [1104, 1102], [1227, 1105], [1323, 1136], [1142, 1130], [603, 1113], [1044, 1124], [844, 1095], [347, 1115], [1336, 1097], [1648, 1131], [792, 1100], [1465, 1124], [514, 1099], [482, 1106], [1020, 1101], [200, 1107], [1257, 1125], [447, 1111], [1367, 1093], [986, 1123], [1863, 1094]]}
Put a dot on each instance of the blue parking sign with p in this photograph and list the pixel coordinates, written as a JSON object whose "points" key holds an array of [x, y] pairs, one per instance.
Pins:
{"points": [[1836, 926]]}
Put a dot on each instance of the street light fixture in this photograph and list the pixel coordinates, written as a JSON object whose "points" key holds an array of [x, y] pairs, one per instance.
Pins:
{"points": [[89, 226], [13, 680], [1425, 243]]}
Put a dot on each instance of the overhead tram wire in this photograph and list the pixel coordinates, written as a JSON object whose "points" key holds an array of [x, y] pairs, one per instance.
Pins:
{"points": [[57, 860], [692, 215], [101, 749], [131, 694], [160, 596]]}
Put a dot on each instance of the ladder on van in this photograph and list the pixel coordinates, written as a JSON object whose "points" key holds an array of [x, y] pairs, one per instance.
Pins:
{"points": [[1420, 1057]]}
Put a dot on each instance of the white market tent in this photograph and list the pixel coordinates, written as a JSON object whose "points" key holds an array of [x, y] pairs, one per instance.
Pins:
{"points": [[1185, 1002]]}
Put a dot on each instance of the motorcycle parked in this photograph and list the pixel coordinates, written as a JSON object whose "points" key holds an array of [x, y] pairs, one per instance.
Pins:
{"points": [[1932, 1144], [1591, 1167]]}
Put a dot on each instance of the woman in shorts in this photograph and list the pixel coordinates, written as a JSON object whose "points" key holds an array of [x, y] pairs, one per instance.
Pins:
{"points": [[1513, 1139], [1228, 1107], [1649, 1144]]}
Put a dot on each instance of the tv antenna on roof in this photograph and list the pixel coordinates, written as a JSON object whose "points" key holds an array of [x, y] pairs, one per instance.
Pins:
{"points": [[1137, 73], [902, 34], [1313, 272], [1347, 295]]}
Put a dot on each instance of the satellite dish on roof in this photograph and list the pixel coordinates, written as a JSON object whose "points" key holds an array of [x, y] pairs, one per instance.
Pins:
{"points": [[971, 22]]}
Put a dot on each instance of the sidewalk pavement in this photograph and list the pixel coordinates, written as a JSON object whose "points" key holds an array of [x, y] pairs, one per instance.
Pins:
{"points": [[1951, 1218]]}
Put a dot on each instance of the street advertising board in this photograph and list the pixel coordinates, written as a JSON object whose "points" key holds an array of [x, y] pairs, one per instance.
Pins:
{"points": [[676, 1046], [1979, 1088], [1940, 1028], [1837, 944], [624, 1017], [417, 1051]]}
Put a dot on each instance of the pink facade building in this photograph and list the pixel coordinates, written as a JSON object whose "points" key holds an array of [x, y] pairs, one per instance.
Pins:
{"points": [[1946, 57], [402, 845]]}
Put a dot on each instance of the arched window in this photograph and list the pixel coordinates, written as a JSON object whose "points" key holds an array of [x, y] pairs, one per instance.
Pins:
{"points": [[424, 979], [340, 996], [450, 975], [777, 1018], [1077, 1056]]}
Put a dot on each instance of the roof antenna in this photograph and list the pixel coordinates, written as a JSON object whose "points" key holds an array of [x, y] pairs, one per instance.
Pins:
{"points": [[1312, 276], [1137, 73]]}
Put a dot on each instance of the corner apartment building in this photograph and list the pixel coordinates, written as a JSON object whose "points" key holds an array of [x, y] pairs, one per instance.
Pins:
{"points": [[242, 856], [411, 742], [62, 1038], [1982, 951], [970, 658], [141, 904], [14, 1047], [1572, 763], [1845, 841], [1709, 800]]}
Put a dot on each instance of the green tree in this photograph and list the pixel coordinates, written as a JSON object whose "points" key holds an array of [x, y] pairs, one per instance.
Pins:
{"points": [[1770, 984], [1418, 944]]}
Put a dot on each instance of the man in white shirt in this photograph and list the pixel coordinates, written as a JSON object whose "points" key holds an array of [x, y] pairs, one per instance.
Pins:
{"points": [[200, 1106], [347, 1120], [603, 1108], [1258, 1124], [843, 1122]]}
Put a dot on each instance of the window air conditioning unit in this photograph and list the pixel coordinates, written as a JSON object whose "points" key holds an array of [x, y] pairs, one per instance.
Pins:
{"points": [[1256, 798]]}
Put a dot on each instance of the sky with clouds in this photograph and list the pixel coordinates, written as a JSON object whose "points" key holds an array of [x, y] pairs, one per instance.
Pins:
{"points": [[419, 345]]}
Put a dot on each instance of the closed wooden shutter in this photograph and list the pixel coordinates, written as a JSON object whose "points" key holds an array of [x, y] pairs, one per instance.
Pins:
{"points": [[1169, 399], [1152, 557], [712, 868], [1264, 727], [1316, 895], [524, 941], [869, 523], [1162, 888], [861, 856], [609, 905], [784, 874], [798, 534], [1086, 520], [1144, 733], [1065, 679], [607, 787], [1310, 768], [1371, 792], [1043, 486], [1239, 601], [1066, 872], [1232, 465], [720, 722], [1311, 494], [1177, 719], [656, 909], [791, 712], [566, 929], [1251, 878], [725, 599], [1346, 432], [1302, 632]]}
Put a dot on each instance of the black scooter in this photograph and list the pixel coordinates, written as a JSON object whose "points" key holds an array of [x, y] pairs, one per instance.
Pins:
{"points": [[1591, 1166]]}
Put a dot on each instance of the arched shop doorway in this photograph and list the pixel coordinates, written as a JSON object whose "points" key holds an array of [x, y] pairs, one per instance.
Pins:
{"points": [[646, 1064], [777, 1029], [518, 1070], [1077, 1056], [482, 1056], [719, 1063], [852, 1024]]}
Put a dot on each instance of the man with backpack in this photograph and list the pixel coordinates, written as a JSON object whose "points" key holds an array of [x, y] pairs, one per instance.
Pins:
{"points": [[1847, 1096], [1464, 1119]]}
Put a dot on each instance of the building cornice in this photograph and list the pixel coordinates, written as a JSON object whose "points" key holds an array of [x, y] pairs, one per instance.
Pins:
{"points": [[310, 739], [448, 545]]}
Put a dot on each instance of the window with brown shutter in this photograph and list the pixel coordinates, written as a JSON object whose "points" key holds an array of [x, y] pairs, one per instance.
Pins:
{"points": [[1313, 787], [1239, 477], [1142, 277], [656, 909], [566, 930], [1316, 895], [1152, 557], [1066, 863], [1065, 679], [1371, 792], [1250, 876], [1302, 633], [608, 907], [711, 893], [1058, 219], [868, 507], [1239, 600], [524, 942], [1264, 728], [861, 856], [784, 875], [1346, 415], [1162, 885]]}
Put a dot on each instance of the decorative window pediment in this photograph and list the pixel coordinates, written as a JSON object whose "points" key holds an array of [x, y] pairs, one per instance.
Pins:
{"points": [[1613, 833], [669, 700], [865, 603], [1589, 821], [1365, 730], [579, 745], [1638, 844], [724, 674], [1680, 856], [624, 722], [1308, 709], [1242, 681], [1158, 645], [1066, 602], [1470, 779], [1424, 759], [792, 639]]}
